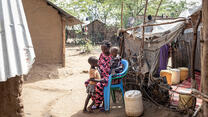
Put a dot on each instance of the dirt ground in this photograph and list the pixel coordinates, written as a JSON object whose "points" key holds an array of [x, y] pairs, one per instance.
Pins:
{"points": [[53, 91]]}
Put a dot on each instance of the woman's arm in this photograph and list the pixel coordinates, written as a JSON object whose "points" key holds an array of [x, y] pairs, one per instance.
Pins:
{"points": [[97, 80]]}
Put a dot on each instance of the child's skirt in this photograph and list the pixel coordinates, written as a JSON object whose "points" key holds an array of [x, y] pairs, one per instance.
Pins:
{"points": [[91, 89]]}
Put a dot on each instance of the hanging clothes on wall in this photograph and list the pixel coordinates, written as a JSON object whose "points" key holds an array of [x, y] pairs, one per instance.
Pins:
{"points": [[163, 58]]}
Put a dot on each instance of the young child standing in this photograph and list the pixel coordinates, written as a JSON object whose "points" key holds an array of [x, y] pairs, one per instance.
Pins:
{"points": [[94, 78]]}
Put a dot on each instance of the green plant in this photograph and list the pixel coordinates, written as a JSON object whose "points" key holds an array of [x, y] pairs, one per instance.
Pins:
{"points": [[87, 47]]}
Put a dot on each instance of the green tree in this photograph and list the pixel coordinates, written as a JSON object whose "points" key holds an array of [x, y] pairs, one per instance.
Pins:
{"points": [[110, 10]]}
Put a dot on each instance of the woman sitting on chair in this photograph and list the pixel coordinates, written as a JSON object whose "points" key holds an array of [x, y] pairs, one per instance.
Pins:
{"points": [[104, 69]]}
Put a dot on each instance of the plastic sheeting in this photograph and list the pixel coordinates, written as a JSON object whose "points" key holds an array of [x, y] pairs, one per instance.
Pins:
{"points": [[189, 12], [158, 30], [16, 49], [160, 36]]}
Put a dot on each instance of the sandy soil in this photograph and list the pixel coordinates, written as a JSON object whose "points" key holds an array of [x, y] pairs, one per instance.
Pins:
{"points": [[52, 91]]}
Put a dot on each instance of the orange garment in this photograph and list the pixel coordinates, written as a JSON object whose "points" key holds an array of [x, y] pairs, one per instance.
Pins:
{"points": [[94, 74]]}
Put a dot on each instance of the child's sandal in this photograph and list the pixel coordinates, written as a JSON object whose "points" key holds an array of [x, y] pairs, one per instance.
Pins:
{"points": [[102, 109], [84, 111]]}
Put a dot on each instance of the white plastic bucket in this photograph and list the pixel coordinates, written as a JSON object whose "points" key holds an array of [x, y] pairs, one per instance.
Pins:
{"points": [[133, 103]]}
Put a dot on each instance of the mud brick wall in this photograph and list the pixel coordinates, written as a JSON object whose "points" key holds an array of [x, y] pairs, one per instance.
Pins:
{"points": [[45, 27], [11, 104]]}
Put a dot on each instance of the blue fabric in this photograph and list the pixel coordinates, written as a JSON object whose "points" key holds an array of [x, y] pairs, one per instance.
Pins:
{"points": [[163, 58], [108, 88]]}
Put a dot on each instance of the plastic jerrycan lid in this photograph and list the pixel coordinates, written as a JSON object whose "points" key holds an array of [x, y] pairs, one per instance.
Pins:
{"points": [[175, 70], [133, 93]]}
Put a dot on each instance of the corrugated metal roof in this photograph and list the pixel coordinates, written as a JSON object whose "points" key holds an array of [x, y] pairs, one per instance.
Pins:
{"points": [[16, 49]]}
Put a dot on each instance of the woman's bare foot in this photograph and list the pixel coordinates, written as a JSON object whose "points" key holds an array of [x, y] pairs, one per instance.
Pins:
{"points": [[102, 108], [90, 109]]}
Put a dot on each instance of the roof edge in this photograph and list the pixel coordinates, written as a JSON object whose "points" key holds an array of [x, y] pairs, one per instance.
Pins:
{"points": [[68, 16]]}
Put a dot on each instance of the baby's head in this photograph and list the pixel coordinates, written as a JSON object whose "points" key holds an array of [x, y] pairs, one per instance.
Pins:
{"points": [[93, 61], [105, 47], [114, 51]]}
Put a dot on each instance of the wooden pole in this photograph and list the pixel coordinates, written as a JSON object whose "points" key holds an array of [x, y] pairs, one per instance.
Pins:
{"points": [[142, 44], [194, 44], [121, 38], [204, 62], [193, 93], [146, 25], [63, 41], [157, 10], [144, 22], [201, 54], [122, 5]]}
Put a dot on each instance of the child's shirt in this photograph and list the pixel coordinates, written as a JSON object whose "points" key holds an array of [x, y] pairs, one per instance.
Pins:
{"points": [[116, 65], [94, 74]]}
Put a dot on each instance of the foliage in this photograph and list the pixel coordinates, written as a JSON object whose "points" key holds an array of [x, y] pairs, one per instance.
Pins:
{"points": [[109, 11], [87, 47]]}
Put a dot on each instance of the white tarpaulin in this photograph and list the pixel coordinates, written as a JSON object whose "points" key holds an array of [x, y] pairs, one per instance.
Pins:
{"points": [[158, 30], [16, 49], [160, 34], [188, 12]]}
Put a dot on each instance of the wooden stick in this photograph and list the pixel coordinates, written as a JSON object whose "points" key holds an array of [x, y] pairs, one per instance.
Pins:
{"points": [[168, 18], [198, 92], [121, 39], [157, 10], [193, 81], [122, 5], [196, 112], [63, 41], [191, 94], [146, 25], [204, 60], [143, 28], [201, 54], [143, 31]]}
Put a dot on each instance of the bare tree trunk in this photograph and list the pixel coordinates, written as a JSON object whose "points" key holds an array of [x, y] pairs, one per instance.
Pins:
{"points": [[205, 55], [11, 104]]}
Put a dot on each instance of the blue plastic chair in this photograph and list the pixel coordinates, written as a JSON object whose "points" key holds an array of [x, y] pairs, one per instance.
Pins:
{"points": [[110, 87]]}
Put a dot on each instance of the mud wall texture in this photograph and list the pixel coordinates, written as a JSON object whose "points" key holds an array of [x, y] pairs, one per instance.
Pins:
{"points": [[45, 27], [11, 98]]}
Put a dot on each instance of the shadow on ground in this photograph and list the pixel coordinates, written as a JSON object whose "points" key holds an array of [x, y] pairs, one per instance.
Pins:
{"points": [[150, 110], [113, 113]]}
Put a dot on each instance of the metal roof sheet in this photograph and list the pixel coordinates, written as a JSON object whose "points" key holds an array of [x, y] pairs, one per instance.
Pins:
{"points": [[16, 49]]}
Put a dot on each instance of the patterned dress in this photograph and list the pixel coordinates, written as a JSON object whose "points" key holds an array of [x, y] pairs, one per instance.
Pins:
{"points": [[104, 67]]}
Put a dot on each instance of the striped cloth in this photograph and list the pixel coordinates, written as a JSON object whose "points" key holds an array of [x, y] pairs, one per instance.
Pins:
{"points": [[185, 86]]}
